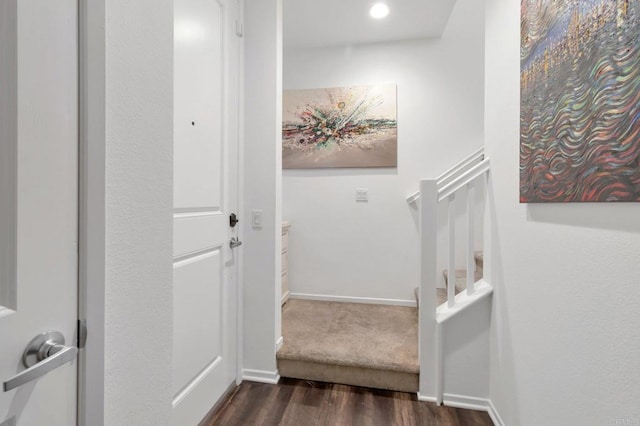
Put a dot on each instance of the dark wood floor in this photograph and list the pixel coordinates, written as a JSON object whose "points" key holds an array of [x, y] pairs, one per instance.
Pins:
{"points": [[304, 403]]}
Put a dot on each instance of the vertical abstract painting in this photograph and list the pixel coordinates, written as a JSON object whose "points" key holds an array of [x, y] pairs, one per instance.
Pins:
{"points": [[340, 127], [580, 100]]}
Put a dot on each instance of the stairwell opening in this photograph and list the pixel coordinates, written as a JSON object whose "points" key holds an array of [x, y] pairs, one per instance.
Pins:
{"points": [[351, 258]]}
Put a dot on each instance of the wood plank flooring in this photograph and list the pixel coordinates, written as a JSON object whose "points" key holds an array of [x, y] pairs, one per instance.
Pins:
{"points": [[303, 403]]}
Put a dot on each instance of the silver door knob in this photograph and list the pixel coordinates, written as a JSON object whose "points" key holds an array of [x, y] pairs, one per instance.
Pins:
{"points": [[235, 242], [44, 353]]}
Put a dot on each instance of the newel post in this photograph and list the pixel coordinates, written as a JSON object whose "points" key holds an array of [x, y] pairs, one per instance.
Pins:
{"points": [[427, 338]]}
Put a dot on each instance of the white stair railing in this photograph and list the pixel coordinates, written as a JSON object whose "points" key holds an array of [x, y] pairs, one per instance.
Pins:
{"points": [[460, 181], [453, 172], [447, 193], [446, 188]]}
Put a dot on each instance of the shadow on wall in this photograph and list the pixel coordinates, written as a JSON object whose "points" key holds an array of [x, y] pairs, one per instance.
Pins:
{"points": [[611, 216], [501, 359]]}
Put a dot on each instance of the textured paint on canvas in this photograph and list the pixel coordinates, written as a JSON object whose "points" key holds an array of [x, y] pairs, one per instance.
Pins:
{"points": [[340, 127], [580, 100]]}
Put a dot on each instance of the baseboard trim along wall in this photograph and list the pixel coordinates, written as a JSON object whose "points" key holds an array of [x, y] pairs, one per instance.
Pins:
{"points": [[261, 376], [349, 299], [495, 416], [425, 398], [285, 297], [469, 403], [466, 402], [279, 343]]}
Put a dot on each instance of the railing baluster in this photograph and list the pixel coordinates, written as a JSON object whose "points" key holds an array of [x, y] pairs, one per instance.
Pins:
{"points": [[471, 276], [451, 279]]}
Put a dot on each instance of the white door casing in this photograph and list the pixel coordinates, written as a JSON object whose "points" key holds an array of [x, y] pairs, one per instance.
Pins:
{"points": [[206, 100], [39, 162]]}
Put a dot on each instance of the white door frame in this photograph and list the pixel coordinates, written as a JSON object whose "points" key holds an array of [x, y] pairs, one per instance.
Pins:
{"points": [[240, 171], [92, 220], [92, 206]]}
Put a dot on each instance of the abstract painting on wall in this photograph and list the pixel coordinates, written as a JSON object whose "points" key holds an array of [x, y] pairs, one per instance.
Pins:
{"points": [[580, 100], [340, 127]]}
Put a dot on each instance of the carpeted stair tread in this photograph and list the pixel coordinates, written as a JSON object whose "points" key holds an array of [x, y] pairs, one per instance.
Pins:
{"points": [[351, 334], [351, 343], [354, 376]]}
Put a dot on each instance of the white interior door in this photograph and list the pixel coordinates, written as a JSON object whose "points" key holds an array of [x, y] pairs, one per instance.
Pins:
{"points": [[38, 207], [205, 194]]}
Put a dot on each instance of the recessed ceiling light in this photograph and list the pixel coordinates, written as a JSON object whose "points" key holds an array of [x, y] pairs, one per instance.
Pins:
{"points": [[379, 11]]}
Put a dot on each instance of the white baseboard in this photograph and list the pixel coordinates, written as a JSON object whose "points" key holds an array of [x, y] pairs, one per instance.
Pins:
{"points": [[261, 376], [472, 403], [425, 398], [349, 299], [284, 298], [466, 402], [495, 416], [279, 343]]}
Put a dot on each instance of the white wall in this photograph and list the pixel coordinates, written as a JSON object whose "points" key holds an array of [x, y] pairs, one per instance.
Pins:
{"points": [[139, 204], [565, 338], [262, 186], [339, 247], [465, 350]]}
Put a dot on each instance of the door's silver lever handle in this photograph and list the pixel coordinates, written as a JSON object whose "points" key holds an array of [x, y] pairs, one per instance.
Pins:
{"points": [[235, 242], [44, 353]]}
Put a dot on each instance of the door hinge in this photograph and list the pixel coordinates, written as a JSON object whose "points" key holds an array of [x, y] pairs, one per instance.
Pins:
{"points": [[82, 333]]}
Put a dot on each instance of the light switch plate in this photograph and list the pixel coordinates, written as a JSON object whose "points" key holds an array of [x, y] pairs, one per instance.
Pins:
{"points": [[256, 218], [362, 194]]}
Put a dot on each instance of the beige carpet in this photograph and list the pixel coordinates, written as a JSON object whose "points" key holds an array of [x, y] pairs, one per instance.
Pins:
{"points": [[350, 343]]}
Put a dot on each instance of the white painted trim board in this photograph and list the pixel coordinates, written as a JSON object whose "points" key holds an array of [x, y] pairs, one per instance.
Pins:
{"points": [[92, 206], [463, 300], [465, 402], [285, 297], [468, 403], [473, 403], [495, 416], [261, 376], [424, 398]]}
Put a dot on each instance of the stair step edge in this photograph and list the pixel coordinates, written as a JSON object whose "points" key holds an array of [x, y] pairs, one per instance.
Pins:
{"points": [[412, 369], [381, 379]]}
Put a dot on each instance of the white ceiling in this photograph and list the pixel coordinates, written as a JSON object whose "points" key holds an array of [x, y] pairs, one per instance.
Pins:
{"points": [[315, 23]]}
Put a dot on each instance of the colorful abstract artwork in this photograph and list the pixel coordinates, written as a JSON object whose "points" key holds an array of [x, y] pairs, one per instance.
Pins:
{"points": [[340, 127], [580, 100]]}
